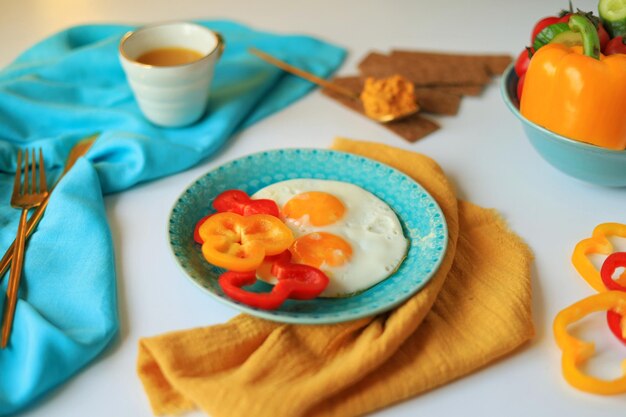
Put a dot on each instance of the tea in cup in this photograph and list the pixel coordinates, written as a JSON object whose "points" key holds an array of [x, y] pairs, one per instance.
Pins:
{"points": [[168, 56], [170, 67]]}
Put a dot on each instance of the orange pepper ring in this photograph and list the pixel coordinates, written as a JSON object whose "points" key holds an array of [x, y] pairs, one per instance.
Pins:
{"points": [[239, 243], [576, 351]]}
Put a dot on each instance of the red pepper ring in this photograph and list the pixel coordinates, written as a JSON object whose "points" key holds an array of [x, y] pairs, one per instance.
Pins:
{"points": [[232, 201], [231, 283], [303, 282], [295, 281], [237, 201], [261, 206], [576, 351], [614, 320], [610, 265]]}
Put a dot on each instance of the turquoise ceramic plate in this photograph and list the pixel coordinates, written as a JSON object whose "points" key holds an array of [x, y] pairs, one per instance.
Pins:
{"points": [[421, 218]]}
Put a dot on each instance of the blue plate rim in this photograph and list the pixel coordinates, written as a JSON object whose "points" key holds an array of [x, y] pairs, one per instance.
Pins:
{"points": [[308, 320]]}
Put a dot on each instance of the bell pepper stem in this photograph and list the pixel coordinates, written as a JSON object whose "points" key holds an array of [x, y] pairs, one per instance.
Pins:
{"points": [[591, 42]]}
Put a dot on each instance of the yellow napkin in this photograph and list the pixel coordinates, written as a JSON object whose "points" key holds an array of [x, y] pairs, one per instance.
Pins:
{"points": [[474, 310]]}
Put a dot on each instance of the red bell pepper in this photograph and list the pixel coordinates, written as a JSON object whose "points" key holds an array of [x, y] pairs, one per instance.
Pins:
{"points": [[576, 351], [295, 281], [232, 201], [261, 206], [303, 282], [598, 243], [611, 264], [231, 283], [237, 201], [615, 320]]}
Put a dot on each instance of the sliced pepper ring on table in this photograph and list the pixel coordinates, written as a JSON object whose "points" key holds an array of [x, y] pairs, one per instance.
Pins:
{"points": [[598, 243], [609, 266], [615, 320], [617, 324], [576, 351]]}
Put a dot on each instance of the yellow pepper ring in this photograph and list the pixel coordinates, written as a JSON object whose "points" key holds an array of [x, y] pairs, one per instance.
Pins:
{"points": [[598, 243], [576, 351]]}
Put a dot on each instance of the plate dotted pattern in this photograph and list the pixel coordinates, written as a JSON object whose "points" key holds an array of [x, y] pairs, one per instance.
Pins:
{"points": [[422, 220]]}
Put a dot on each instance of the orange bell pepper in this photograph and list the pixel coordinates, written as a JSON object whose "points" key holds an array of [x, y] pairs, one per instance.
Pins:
{"points": [[576, 351], [599, 244], [239, 243], [581, 96]]}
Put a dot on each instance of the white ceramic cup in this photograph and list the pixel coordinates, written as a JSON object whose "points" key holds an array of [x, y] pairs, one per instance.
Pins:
{"points": [[175, 95]]}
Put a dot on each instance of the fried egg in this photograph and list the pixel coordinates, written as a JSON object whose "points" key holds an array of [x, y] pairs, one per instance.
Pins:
{"points": [[350, 234]]}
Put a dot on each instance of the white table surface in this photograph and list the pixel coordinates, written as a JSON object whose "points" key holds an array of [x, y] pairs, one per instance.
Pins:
{"points": [[483, 151]]}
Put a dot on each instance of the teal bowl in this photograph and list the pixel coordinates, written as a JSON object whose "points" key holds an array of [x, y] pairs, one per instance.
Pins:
{"points": [[580, 160]]}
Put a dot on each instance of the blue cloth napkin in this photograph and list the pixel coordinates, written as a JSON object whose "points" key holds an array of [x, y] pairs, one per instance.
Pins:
{"points": [[65, 88]]}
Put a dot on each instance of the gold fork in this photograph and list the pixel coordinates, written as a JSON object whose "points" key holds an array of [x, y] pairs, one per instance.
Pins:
{"points": [[80, 149], [25, 196]]}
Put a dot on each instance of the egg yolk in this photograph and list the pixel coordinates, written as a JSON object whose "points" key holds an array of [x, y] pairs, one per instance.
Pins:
{"points": [[322, 208], [320, 248]]}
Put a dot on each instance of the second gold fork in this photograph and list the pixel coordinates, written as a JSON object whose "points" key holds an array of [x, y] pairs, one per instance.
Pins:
{"points": [[26, 195]]}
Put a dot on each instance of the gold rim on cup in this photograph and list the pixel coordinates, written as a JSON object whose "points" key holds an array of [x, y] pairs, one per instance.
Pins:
{"points": [[219, 46]]}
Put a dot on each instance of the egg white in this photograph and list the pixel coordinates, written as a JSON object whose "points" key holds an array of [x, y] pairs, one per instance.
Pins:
{"points": [[369, 225]]}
